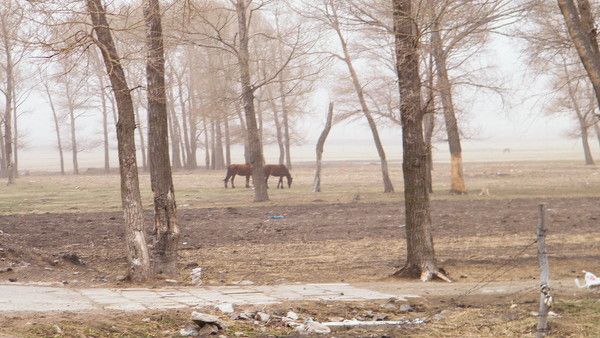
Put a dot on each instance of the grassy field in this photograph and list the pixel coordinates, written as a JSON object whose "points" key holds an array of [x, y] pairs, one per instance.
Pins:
{"points": [[341, 183]]}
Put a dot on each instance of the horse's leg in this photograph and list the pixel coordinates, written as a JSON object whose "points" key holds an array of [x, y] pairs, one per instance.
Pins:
{"points": [[247, 181], [280, 183], [232, 179], [267, 180], [227, 176]]}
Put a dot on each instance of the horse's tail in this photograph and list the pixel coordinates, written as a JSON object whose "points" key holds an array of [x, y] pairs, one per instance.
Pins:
{"points": [[228, 174]]}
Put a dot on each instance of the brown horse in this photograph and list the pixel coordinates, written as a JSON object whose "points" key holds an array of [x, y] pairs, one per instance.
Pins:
{"points": [[238, 169], [280, 171]]}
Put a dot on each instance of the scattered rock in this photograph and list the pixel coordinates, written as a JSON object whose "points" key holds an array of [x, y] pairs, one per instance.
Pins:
{"points": [[263, 317], [188, 331], [311, 327], [242, 316], [146, 320], [239, 334], [202, 319], [57, 329], [208, 329], [171, 281], [336, 319], [406, 308], [196, 276], [73, 258], [246, 282], [225, 307], [389, 306], [12, 280], [7, 269], [513, 306], [292, 315]]}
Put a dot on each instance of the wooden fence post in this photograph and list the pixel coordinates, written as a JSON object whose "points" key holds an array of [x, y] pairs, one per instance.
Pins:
{"points": [[545, 298]]}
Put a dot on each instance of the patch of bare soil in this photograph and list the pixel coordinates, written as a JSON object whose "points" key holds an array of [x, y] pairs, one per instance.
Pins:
{"points": [[312, 243]]}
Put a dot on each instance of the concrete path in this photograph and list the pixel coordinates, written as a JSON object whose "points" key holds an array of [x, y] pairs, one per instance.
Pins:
{"points": [[31, 298], [34, 298]]}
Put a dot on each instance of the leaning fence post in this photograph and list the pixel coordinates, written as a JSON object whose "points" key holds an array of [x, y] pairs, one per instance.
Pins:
{"points": [[545, 298]]}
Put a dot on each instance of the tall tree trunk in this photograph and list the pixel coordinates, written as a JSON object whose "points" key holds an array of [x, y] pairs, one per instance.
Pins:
{"points": [[259, 113], [279, 136], [207, 145], [142, 140], [104, 125], [575, 26], [255, 146], [227, 142], [56, 128], [113, 107], [589, 160], [74, 149], [219, 155], [166, 231], [184, 121], [358, 88], [319, 148], [285, 122], [420, 259], [213, 150], [137, 250], [445, 88], [192, 158], [173, 130], [244, 134], [16, 137], [2, 151], [8, 98], [429, 124], [581, 117]]}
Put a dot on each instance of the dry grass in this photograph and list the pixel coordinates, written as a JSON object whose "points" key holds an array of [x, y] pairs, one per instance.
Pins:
{"points": [[341, 182]]}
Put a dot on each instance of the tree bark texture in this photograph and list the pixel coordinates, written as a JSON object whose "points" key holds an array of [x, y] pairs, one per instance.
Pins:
{"points": [[319, 148], [8, 99], [457, 181], [420, 259], [581, 40], [254, 144], [166, 230], [137, 250]]}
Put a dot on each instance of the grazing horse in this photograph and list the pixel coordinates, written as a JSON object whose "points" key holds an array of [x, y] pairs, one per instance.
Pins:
{"points": [[280, 171], [238, 169]]}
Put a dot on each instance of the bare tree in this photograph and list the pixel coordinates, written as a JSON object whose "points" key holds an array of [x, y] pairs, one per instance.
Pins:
{"points": [[57, 123], [138, 257], [327, 13], [256, 152], [319, 148], [166, 231], [583, 34], [420, 259]]}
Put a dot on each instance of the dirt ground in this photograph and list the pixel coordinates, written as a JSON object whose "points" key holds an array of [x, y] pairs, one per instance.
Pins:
{"points": [[313, 243], [68, 231]]}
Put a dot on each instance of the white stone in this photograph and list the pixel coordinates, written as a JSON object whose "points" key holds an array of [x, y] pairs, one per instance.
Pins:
{"points": [[225, 307]]}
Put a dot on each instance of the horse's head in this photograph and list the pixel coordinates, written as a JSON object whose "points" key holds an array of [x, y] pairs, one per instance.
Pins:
{"points": [[289, 179]]}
